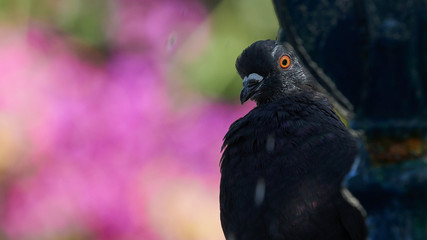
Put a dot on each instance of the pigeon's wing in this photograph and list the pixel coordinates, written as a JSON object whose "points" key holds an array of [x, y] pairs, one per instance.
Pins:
{"points": [[241, 218], [321, 154]]}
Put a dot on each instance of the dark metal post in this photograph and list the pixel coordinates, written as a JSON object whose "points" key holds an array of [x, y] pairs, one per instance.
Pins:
{"points": [[375, 54]]}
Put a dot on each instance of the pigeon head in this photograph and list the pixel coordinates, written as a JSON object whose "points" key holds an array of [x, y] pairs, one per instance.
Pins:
{"points": [[269, 70]]}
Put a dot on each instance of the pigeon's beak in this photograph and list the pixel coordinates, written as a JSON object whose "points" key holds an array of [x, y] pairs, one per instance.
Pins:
{"points": [[251, 85]]}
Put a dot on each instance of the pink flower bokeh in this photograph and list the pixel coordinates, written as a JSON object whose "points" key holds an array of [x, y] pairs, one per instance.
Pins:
{"points": [[103, 154]]}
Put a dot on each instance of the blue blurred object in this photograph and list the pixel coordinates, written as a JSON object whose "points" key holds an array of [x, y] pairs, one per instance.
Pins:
{"points": [[375, 54]]}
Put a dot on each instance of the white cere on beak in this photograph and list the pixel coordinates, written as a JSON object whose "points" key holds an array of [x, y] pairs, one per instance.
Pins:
{"points": [[259, 192], [254, 76], [269, 145]]}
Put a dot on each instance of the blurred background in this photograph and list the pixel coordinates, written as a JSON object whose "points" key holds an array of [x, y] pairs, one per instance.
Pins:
{"points": [[112, 114]]}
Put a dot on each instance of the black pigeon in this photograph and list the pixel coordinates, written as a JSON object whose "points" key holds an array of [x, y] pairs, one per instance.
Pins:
{"points": [[284, 162]]}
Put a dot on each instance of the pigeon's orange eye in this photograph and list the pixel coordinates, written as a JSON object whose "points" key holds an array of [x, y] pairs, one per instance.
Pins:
{"points": [[285, 61]]}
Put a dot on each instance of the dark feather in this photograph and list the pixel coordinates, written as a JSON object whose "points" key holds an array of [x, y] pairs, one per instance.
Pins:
{"points": [[283, 164]]}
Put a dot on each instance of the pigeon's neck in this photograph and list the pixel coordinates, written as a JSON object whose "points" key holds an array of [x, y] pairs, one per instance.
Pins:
{"points": [[285, 93]]}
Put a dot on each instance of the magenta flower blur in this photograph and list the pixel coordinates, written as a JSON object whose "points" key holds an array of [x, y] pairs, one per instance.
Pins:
{"points": [[102, 150]]}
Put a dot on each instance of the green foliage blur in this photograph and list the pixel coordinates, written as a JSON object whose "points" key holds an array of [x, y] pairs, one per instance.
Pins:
{"points": [[232, 25], [235, 24], [83, 21]]}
